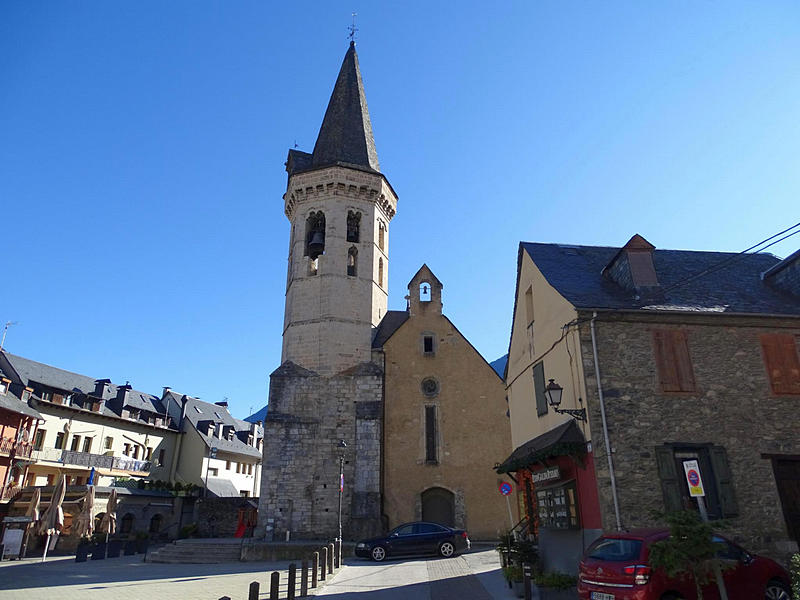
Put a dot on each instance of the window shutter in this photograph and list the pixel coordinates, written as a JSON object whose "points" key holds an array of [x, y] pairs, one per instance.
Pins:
{"points": [[538, 388], [683, 362], [668, 475], [782, 362], [722, 475], [665, 362]]}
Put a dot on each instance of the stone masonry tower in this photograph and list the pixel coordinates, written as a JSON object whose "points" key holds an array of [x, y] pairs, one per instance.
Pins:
{"points": [[339, 206], [327, 388]]}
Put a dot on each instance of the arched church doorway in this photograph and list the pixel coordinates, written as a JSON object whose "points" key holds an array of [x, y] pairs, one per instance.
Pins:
{"points": [[439, 506]]}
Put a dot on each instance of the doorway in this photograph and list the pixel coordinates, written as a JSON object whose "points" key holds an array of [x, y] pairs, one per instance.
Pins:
{"points": [[439, 506], [787, 477]]}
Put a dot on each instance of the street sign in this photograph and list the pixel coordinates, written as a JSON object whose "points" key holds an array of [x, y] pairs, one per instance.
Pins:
{"points": [[505, 488], [213, 453], [693, 479]]}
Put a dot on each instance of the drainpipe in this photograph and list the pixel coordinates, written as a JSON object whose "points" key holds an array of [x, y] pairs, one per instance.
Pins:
{"points": [[605, 425]]}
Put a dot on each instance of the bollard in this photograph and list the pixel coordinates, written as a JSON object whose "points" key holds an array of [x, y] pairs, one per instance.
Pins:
{"points": [[526, 580], [314, 569], [274, 586], [339, 552], [323, 567], [304, 578], [291, 587], [336, 558], [331, 552], [254, 591]]}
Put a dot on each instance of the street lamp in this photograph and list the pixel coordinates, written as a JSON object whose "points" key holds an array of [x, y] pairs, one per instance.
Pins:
{"points": [[553, 393], [342, 445]]}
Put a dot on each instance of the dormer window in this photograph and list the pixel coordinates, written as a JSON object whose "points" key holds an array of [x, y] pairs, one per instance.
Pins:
{"points": [[3, 388], [47, 396], [200, 412]]}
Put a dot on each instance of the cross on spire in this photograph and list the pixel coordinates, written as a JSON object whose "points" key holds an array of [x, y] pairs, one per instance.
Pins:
{"points": [[353, 29]]}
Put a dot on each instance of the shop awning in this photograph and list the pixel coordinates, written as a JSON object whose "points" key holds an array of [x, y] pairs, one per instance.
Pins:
{"points": [[564, 440]]}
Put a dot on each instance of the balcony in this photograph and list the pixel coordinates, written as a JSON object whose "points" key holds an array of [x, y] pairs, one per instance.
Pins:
{"points": [[19, 449], [88, 460]]}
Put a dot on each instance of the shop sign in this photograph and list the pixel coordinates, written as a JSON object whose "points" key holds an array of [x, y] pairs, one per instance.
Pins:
{"points": [[548, 474]]}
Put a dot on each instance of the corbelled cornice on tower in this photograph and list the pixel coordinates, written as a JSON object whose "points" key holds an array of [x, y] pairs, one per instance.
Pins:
{"points": [[346, 133]]}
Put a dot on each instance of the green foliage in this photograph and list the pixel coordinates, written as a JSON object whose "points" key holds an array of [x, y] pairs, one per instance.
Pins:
{"points": [[512, 573], [178, 487], [794, 569], [187, 531], [555, 580], [688, 551]]}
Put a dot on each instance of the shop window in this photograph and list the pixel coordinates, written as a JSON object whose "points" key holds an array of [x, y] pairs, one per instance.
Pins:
{"points": [[673, 364], [557, 507], [430, 435], [538, 388], [714, 470], [353, 226], [782, 362]]}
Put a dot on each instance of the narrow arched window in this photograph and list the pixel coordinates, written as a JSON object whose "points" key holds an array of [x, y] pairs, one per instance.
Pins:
{"points": [[380, 272], [424, 292], [315, 234], [353, 226], [381, 230], [352, 262]]}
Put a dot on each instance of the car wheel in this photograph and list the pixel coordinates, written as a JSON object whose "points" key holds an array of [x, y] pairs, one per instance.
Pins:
{"points": [[777, 591], [447, 549], [378, 553], [672, 597]]}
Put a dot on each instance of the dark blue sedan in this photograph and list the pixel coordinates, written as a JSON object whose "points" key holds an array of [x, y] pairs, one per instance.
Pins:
{"points": [[415, 538]]}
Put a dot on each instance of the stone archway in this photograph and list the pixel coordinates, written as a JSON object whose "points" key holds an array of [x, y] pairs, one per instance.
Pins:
{"points": [[439, 506]]}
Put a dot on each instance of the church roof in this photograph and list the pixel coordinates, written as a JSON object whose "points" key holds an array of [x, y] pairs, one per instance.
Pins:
{"points": [[390, 323], [346, 133]]}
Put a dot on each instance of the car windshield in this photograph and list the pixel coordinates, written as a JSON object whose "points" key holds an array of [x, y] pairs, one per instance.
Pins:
{"points": [[614, 549], [404, 530]]}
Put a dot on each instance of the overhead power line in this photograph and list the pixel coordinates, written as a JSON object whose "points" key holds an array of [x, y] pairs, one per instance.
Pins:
{"points": [[716, 267]]}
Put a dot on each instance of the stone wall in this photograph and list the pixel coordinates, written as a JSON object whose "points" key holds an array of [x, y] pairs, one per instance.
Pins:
{"points": [[219, 517], [308, 415], [732, 408]]}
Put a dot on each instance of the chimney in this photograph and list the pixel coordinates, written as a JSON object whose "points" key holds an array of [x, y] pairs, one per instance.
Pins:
{"points": [[785, 276], [223, 404], [101, 387], [632, 268], [164, 391], [122, 393]]}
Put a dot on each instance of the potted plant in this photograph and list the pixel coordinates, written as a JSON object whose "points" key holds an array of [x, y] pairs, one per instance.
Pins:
{"points": [[98, 546], [513, 575], [142, 541], [83, 549], [553, 586]]}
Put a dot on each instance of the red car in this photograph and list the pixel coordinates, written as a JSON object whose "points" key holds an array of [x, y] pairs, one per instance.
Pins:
{"points": [[615, 567]]}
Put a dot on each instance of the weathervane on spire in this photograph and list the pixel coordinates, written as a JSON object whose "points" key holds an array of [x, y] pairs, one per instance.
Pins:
{"points": [[353, 29]]}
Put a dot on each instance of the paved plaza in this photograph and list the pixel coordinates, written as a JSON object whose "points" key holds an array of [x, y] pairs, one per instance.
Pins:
{"points": [[473, 576]]}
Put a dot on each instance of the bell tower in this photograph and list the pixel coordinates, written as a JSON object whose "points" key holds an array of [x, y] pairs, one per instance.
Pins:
{"points": [[327, 389], [339, 205]]}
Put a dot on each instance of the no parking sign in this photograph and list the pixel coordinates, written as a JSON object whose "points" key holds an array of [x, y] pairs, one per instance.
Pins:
{"points": [[505, 488], [693, 479]]}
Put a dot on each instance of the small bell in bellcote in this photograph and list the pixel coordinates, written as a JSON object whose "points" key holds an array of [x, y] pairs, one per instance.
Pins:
{"points": [[317, 245]]}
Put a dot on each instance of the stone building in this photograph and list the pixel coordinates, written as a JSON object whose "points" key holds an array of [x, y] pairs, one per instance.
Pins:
{"points": [[327, 388], [332, 385], [671, 356], [445, 419]]}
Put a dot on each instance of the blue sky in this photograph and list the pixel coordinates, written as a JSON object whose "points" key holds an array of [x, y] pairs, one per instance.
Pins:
{"points": [[142, 148]]}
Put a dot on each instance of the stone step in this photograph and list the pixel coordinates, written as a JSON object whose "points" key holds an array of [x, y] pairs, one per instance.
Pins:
{"points": [[196, 552]]}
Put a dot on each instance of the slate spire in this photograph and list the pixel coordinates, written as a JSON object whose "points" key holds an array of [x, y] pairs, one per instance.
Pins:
{"points": [[346, 132]]}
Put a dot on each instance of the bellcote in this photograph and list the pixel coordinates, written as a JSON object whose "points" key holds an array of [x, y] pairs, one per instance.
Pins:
{"points": [[424, 293]]}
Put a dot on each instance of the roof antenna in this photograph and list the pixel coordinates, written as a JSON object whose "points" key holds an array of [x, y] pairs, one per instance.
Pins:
{"points": [[353, 29], [5, 330]]}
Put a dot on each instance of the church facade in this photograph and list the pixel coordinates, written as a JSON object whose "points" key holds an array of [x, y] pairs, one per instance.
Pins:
{"points": [[331, 387]]}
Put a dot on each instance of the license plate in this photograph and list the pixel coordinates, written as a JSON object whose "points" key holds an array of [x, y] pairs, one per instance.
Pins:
{"points": [[601, 596]]}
